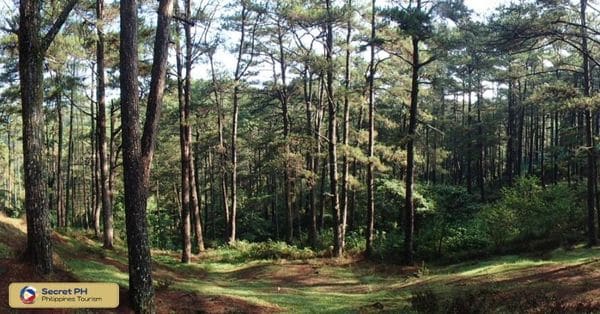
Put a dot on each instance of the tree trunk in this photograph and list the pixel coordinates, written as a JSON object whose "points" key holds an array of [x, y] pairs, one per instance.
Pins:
{"points": [[283, 99], [234, 130], [311, 158], [409, 211], [195, 201], [101, 131], [510, 156], [32, 46], [184, 143], [480, 147], [60, 205], [589, 139], [194, 205], [138, 152], [333, 172], [371, 166], [31, 59], [346, 130], [70, 190]]}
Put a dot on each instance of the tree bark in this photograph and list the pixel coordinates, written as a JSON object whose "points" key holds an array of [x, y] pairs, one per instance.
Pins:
{"points": [[371, 150], [184, 144], [283, 99], [70, 186], [409, 210], [101, 130], [138, 152], [60, 205], [333, 172], [346, 129], [589, 139], [32, 47]]}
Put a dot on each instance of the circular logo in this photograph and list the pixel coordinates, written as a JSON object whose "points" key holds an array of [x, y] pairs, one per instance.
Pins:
{"points": [[28, 295]]}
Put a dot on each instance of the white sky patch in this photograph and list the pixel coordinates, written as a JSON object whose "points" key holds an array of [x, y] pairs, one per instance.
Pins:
{"points": [[484, 8]]}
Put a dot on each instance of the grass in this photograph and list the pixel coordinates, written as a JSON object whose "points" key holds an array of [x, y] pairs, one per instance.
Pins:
{"points": [[228, 278], [88, 270], [294, 280], [351, 288]]}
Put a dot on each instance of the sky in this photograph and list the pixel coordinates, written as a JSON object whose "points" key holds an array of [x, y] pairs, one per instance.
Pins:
{"points": [[226, 60], [483, 7]]}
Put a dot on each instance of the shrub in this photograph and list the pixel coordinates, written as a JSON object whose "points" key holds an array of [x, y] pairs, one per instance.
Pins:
{"points": [[243, 251], [388, 245], [449, 227], [355, 241], [528, 213]]}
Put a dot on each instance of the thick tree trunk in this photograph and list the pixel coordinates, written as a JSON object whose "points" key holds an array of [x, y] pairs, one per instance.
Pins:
{"points": [[32, 47], [141, 291], [138, 152], [31, 66]]}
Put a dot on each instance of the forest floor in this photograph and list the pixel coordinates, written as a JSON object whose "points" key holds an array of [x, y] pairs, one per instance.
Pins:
{"points": [[558, 281]]}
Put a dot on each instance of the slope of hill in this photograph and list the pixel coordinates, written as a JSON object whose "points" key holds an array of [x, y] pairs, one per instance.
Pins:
{"points": [[558, 281]]}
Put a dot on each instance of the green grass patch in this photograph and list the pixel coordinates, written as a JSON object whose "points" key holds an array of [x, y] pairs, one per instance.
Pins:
{"points": [[275, 274], [87, 270]]}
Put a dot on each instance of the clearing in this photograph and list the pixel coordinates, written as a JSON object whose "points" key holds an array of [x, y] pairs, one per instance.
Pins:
{"points": [[558, 281]]}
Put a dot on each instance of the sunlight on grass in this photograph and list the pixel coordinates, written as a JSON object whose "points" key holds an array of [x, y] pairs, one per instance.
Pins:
{"points": [[307, 285], [503, 267], [509, 263], [86, 270], [577, 255]]}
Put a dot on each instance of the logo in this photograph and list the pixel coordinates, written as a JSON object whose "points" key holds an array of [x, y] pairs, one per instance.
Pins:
{"points": [[28, 295]]}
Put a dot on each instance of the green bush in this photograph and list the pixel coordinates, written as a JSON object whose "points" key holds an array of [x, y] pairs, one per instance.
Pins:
{"points": [[449, 228], [242, 251], [528, 213], [355, 241], [388, 245]]}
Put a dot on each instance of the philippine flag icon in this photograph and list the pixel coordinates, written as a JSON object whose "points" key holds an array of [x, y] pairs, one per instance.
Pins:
{"points": [[28, 295]]}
